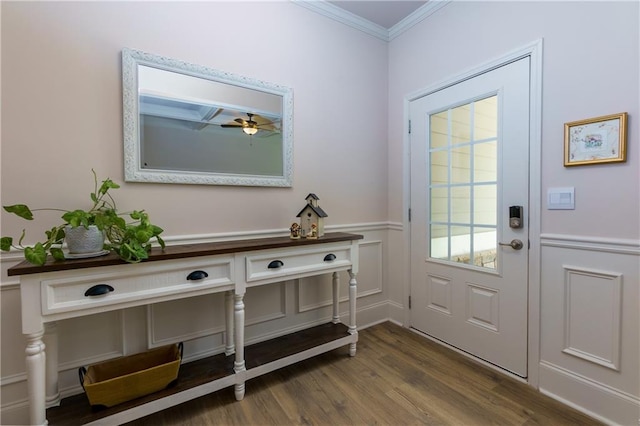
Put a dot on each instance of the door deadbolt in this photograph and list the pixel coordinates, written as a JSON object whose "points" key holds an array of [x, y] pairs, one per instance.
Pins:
{"points": [[514, 244]]}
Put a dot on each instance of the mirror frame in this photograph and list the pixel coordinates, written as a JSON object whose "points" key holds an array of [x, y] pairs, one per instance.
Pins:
{"points": [[133, 172]]}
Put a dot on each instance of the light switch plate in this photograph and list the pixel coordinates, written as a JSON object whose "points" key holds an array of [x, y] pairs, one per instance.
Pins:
{"points": [[561, 198]]}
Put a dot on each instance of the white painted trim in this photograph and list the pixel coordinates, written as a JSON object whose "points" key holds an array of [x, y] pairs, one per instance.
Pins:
{"points": [[338, 14], [416, 17], [615, 314], [116, 352], [532, 50], [282, 313], [15, 411], [359, 227], [359, 23], [153, 342], [396, 226], [512, 56], [14, 378], [268, 233], [10, 286], [621, 404], [535, 190], [599, 244], [396, 313]]}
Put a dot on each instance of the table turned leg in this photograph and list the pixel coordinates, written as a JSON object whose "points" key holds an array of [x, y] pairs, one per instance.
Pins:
{"points": [[50, 340], [239, 365], [336, 294], [229, 348], [36, 382], [352, 310]]}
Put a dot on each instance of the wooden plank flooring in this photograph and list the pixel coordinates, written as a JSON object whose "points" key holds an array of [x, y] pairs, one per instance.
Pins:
{"points": [[396, 378]]}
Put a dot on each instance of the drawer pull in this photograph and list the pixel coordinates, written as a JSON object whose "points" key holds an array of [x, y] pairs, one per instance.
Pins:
{"points": [[330, 257], [197, 275], [275, 264], [98, 290]]}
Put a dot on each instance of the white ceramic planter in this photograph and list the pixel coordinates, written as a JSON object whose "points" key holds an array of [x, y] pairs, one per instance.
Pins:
{"points": [[82, 240]]}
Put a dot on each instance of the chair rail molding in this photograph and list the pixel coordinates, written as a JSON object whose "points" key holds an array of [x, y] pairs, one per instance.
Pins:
{"points": [[580, 242]]}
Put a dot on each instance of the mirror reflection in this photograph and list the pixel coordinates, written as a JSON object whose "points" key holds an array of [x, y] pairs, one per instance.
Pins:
{"points": [[186, 123]]}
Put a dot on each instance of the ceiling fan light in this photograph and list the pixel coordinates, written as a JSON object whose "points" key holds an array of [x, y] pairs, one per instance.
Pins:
{"points": [[250, 130]]}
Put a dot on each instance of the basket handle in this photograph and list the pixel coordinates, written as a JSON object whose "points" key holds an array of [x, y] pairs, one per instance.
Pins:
{"points": [[81, 372]]}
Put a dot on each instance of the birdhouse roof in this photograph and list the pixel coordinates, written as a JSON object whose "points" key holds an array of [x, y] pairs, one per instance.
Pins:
{"points": [[316, 209], [312, 195]]}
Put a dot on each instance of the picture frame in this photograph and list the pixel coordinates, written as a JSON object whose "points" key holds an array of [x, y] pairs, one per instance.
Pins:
{"points": [[596, 140]]}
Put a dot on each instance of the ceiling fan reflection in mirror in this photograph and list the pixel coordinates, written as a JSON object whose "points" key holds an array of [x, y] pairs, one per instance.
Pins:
{"points": [[251, 126]]}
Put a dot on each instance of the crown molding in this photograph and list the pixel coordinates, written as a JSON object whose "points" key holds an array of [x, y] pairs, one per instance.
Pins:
{"points": [[417, 16], [336, 13]]}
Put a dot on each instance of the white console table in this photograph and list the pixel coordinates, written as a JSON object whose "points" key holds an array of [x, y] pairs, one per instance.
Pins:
{"points": [[75, 288]]}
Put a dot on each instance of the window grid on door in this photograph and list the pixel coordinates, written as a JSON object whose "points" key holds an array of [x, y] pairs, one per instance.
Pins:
{"points": [[463, 162]]}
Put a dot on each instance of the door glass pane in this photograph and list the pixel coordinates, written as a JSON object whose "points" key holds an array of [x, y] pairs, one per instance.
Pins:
{"points": [[439, 167], [460, 244], [485, 118], [484, 247], [439, 124], [463, 170], [461, 124], [439, 242], [461, 164], [461, 204], [485, 199], [439, 205], [485, 161]]}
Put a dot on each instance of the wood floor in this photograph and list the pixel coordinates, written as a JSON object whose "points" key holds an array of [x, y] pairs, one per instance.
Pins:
{"points": [[396, 378]]}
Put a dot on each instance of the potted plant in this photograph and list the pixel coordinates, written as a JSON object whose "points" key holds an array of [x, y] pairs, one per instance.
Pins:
{"points": [[130, 238]]}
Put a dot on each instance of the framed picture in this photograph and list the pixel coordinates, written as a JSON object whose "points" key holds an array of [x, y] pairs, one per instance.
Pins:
{"points": [[596, 140]]}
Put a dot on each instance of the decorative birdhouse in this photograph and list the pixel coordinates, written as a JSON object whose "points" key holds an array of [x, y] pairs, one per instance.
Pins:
{"points": [[312, 218]]}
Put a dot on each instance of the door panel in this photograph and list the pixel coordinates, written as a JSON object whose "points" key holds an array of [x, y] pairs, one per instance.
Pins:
{"points": [[469, 163]]}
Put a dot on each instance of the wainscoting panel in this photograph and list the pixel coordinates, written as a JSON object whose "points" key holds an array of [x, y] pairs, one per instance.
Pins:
{"points": [[590, 325], [593, 306], [265, 303], [185, 319], [90, 339], [315, 292], [11, 333]]}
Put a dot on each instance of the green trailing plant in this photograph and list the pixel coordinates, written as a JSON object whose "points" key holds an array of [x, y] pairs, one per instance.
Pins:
{"points": [[130, 238]]}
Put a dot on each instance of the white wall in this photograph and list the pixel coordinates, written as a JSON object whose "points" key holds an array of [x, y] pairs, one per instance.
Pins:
{"points": [[62, 116], [590, 68], [62, 107]]}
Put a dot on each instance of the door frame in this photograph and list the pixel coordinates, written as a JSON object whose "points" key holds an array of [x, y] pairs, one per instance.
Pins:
{"points": [[532, 50]]}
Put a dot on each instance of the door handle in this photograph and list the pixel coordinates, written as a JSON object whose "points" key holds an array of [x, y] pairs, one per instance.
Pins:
{"points": [[514, 244]]}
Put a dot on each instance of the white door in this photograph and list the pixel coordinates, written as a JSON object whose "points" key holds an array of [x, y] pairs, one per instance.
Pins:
{"points": [[469, 165]]}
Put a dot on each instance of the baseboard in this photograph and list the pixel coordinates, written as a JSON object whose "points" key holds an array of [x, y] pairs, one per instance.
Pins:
{"points": [[397, 312], [15, 413], [596, 400], [370, 315]]}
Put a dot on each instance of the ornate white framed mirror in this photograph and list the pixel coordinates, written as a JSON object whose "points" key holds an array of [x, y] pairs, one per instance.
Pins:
{"points": [[187, 123]]}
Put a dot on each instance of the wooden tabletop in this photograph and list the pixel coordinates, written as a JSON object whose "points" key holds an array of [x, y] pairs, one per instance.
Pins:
{"points": [[182, 251]]}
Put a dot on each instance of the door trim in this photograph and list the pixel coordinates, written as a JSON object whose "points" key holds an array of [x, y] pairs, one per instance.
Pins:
{"points": [[532, 50]]}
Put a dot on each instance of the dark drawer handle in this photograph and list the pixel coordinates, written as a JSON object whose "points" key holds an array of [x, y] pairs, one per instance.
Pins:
{"points": [[330, 257], [98, 290], [82, 371], [275, 264], [197, 275]]}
